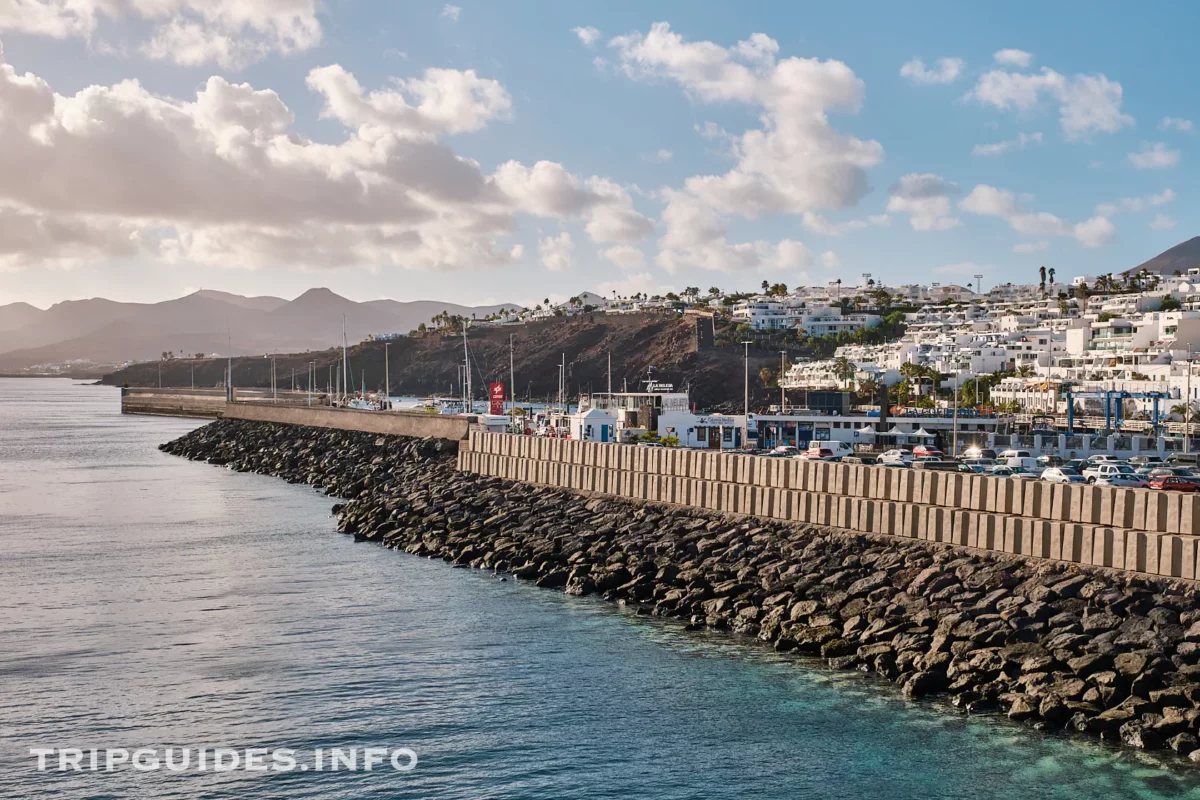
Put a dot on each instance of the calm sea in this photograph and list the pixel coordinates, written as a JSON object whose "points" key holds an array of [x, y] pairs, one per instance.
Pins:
{"points": [[146, 601]]}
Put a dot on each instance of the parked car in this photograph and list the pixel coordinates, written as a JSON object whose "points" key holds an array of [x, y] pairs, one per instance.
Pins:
{"points": [[785, 450], [936, 464], [1138, 461], [1160, 471], [1063, 475], [1114, 475], [1183, 460], [1077, 464], [1102, 458], [862, 458], [819, 454], [1002, 471], [1051, 461], [927, 451], [899, 455], [1176, 483], [974, 452], [1005, 454]]}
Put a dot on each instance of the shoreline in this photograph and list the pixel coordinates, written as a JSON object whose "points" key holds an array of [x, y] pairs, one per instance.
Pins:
{"points": [[1049, 645]]}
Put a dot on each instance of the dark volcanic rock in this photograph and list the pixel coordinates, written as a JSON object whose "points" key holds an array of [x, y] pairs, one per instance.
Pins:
{"points": [[1052, 645]]}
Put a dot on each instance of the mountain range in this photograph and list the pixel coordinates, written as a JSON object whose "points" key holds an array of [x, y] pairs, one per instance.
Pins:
{"points": [[108, 332]]}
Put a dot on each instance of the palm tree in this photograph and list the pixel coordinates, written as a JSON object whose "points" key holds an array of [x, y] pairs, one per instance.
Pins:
{"points": [[714, 291], [1052, 276], [1042, 276], [1025, 371], [766, 286], [843, 369], [868, 388], [911, 372]]}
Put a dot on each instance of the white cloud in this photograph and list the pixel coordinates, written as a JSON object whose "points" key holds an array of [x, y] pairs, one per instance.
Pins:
{"points": [[818, 224], [547, 189], [1154, 156], [1161, 222], [1087, 104], [224, 179], [926, 199], [660, 156], [1011, 57], [231, 33], [625, 256], [830, 260], [631, 284], [441, 101], [555, 251], [589, 35], [990, 201], [795, 163], [1026, 248], [998, 148], [1137, 204], [451, 12], [947, 71], [1176, 124]]}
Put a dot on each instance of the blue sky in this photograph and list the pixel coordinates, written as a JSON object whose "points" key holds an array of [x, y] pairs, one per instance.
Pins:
{"points": [[673, 156]]}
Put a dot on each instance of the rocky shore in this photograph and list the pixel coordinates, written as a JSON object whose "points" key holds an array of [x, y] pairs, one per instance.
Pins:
{"points": [[1050, 645]]}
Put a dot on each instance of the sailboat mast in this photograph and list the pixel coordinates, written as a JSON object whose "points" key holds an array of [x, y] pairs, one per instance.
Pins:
{"points": [[345, 372], [467, 365]]}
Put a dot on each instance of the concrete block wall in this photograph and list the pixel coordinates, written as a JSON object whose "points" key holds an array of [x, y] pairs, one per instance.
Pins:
{"points": [[1132, 529]]}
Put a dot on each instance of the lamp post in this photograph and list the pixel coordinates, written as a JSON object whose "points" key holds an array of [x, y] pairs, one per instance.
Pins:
{"points": [[954, 443], [1187, 408], [387, 374], [782, 391], [746, 390]]}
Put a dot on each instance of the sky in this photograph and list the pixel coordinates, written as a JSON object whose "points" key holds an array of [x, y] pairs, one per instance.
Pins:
{"points": [[517, 151]]}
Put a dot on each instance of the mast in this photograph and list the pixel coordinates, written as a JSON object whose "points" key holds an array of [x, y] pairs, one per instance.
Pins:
{"points": [[345, 364], [467, 367]]}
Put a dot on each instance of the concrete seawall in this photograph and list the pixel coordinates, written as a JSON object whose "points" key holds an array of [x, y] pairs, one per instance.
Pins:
{"points": [[394, 423], [1137, 530], [200, 403]]}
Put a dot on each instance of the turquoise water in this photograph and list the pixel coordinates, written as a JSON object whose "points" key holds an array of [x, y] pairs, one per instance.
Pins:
{"points": [[149, 601]]}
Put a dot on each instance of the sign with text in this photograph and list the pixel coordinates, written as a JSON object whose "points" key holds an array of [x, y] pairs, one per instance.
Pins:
{"points": [[496, 393]]}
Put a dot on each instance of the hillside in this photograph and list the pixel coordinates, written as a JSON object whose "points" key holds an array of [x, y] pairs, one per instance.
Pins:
{"points": [[424, 366], [1181, 258], [105, 331]]}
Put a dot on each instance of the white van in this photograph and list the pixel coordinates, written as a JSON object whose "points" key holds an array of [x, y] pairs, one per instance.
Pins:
{"points": [[1026, 464], [1006, 454], [827, 451]]}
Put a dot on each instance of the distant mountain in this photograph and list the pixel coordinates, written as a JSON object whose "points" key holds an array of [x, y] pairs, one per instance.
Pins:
{"points": [[1181, 257], [18, 315], [262, 303], [203, 322]]}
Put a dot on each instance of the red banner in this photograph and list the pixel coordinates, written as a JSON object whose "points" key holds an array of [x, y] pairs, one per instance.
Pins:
{"points": [[496, 393]]}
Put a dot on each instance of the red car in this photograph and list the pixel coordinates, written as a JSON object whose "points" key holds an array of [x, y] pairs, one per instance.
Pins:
{"points": [[924, 450], [1176, 483]]}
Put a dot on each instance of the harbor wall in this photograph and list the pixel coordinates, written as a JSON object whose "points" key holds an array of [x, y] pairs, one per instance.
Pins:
{"points": [[394, 423], [1138, 530], [200, 403]]}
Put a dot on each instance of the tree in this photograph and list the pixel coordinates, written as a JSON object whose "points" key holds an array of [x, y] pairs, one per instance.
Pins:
{"points": [[1042, 282], [1052, 275], [714, 291], [1025, 371], [844, 369], [669, 441], [767, 376], [1170, 304], [766, 286], [778, 289]]}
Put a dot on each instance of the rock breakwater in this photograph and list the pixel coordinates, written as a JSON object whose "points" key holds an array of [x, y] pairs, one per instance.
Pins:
{"points": [[1051, 645]]}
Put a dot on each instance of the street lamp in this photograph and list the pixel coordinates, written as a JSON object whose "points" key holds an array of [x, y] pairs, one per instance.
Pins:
{"points": [[387, 375], [746, 391], [782, 391]]}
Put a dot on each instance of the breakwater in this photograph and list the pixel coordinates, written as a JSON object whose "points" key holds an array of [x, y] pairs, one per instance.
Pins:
{"points": [[1053, 645], [1136, 530]]}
